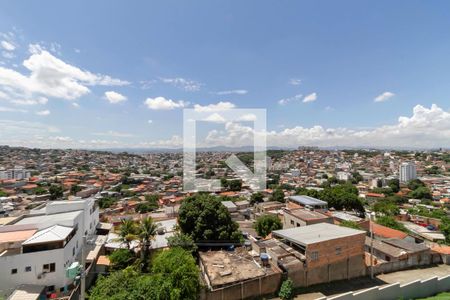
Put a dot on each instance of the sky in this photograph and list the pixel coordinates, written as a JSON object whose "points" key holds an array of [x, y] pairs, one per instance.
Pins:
{"points": [[118, 74]]}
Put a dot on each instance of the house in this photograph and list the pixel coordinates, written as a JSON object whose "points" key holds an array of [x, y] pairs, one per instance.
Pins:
{"points": [[306, 201], [321, 253], [303, 217], [237, 275], [36, 249]]}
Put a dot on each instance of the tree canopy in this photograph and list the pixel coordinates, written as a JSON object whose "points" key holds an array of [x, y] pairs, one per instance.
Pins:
{"points": [[205, 218], [266, 224], [174, 276]]}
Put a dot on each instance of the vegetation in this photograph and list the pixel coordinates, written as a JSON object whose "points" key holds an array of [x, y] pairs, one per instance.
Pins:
{"points": [[257, 197], [106, 202], [127, 232], [183, 241], [390, 222], [173, 276], [3, 193], [204, 218], [278, 195], [386, 208], [350, 224], [266, 224], [440, 296], [146, 233], [74, 189], [56, 191], [121, 258], [286, 290], [340, 196]]}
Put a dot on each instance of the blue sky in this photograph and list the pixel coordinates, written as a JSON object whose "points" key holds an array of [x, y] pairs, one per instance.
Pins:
{"points": [[338, 55]]}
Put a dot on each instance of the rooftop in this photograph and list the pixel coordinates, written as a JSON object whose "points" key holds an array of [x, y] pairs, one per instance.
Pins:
{"points": [[307, 200], [50, 219], [51, 234], [224, 267], [316, 233], [305, 214]]}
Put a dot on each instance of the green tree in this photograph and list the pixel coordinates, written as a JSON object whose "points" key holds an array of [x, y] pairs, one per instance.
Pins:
{"points": [[146, 233], [286, 290], [266, 224], [421, 192], [121, 258], [3, 194], [40, 191], [278, 195], [235, 185], [56, 191], [179, 271], [204, 217], [74, 189], [386, 207], [182, 240], [415, 183], [257, 197], [445, 229], [127, 232], [106, 202], [350, 224], [390, 222]]}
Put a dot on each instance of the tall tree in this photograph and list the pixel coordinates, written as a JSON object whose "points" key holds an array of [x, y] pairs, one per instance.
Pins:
{"points": [[205, 218], [266, 224], [127, 232], [146, 232]]}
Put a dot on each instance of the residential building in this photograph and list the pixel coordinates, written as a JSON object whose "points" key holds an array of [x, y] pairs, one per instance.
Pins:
{"points": [[407, 172], [37, 248], [303, 217]]}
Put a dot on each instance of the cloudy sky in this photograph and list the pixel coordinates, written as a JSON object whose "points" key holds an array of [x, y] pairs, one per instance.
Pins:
{"points": [[101, 74]]}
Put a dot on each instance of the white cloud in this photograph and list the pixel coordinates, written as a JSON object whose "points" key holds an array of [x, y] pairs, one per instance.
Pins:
{"points": [[215, 118], [114, 97], [112, 133], [161, 103], [174, 142], [50, 77], [11, 109], [248, 118], [36, 101], [7, 46], [425, 128], [295, 81], [285, 101], [310, 98], [231, 92], [76, 105], [384, 97], [150, 121], [8, 54], [214, 107], [43, 112], [184, 84]]}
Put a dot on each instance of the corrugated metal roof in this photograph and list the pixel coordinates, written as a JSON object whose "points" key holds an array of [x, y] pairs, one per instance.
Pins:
{"points": [[50, 234], [306, 200], [316, 233]]}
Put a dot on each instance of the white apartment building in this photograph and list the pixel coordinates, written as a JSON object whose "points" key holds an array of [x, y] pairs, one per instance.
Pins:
{"points": [[18, 173], [407, 172], [38, 248]]}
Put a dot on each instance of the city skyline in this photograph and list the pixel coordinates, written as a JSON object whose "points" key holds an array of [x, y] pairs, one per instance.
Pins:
{"points": [[334, 75]]}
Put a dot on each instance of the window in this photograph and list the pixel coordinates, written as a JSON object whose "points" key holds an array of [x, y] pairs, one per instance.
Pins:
{"points": [[298, 224], [48, 268], [338, 250], [314, 255], [28, 269], [73, 251], [292, 222], [13, 271]]}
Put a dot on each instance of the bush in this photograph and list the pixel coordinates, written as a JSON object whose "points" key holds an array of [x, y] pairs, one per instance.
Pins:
{"points": [[286, 290]]}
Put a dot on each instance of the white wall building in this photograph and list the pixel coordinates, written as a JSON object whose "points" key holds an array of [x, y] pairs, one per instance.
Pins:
{"points": [[38, 248], [18, 173], [407, 172]]}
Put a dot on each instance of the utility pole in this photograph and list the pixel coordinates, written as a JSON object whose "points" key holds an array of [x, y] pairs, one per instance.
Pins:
{"points": [[371, 245], [83, 271]]}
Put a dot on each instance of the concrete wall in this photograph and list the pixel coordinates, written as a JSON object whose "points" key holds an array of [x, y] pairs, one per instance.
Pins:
{"points": [[245, 290], [411, 290]]}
